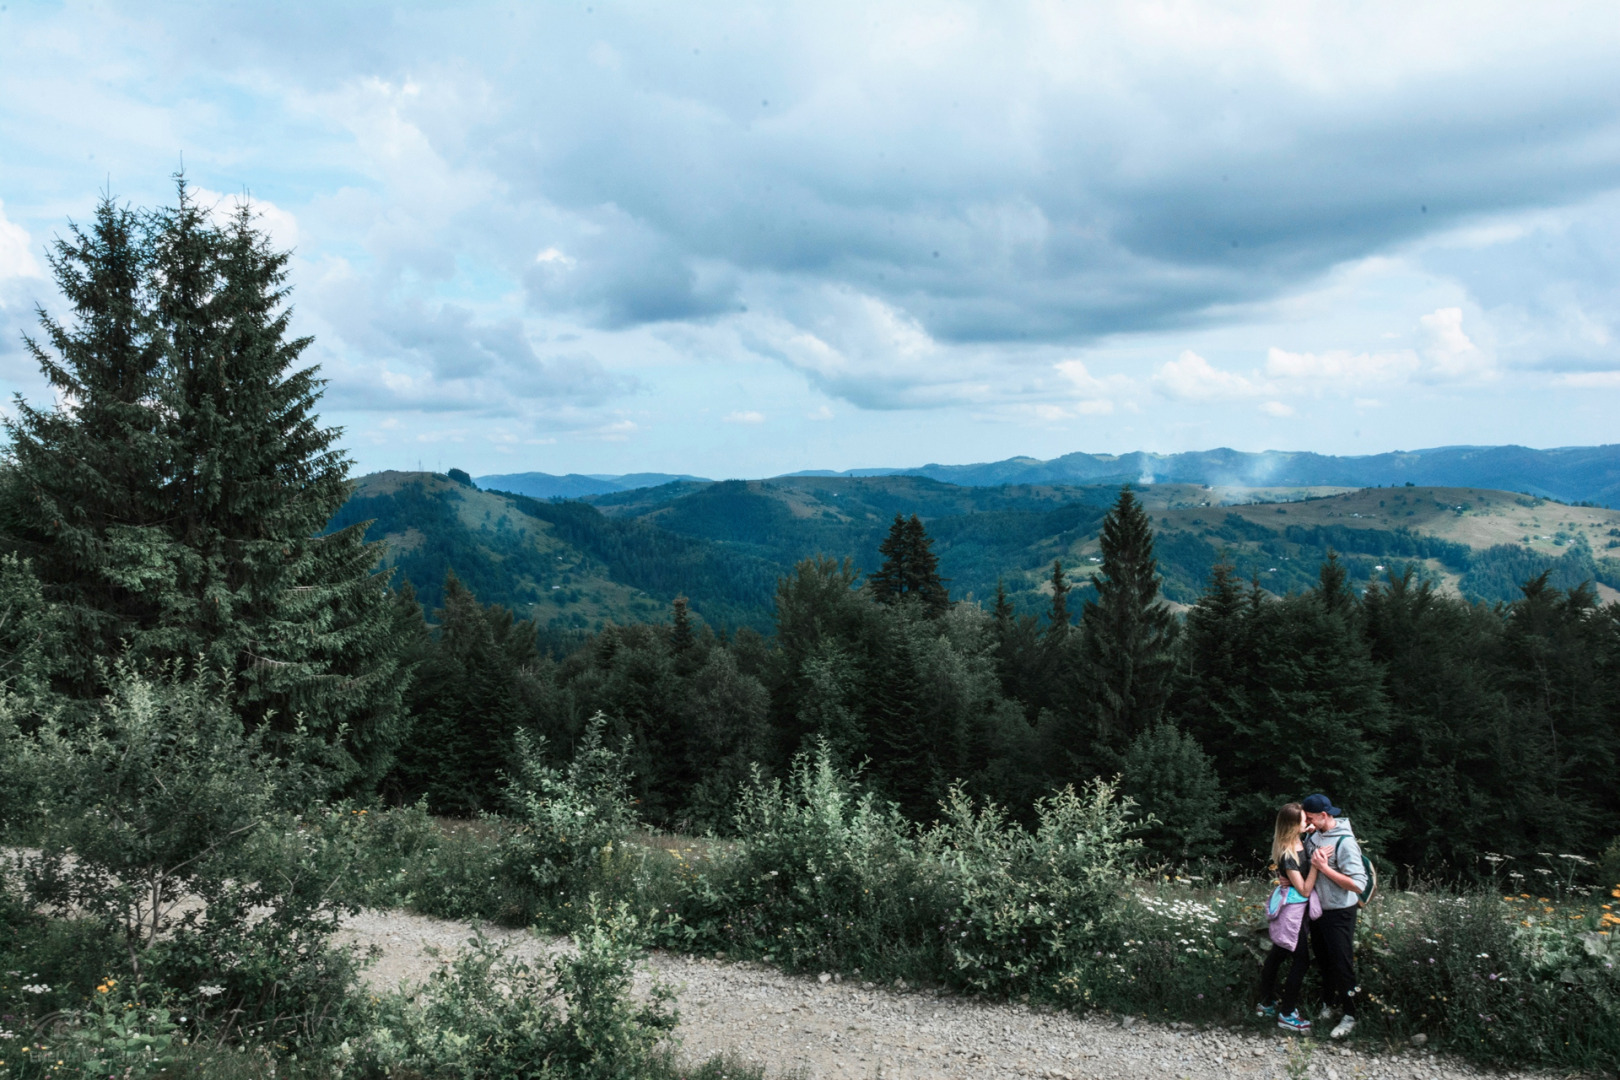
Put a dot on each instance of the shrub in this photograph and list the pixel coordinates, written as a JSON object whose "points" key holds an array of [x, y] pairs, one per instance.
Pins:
{"points": [[489, 1014], [170, 831], [822, 875], [1173, 951], [404, 858], [566, 830], [1500, 979], [1027, 905]]}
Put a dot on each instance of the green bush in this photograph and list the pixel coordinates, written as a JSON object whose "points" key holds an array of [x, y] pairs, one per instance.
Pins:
{"points": [[1498, 979], [567, 828], [1608, 868], [404, 858], [168, 835], [822, 875], [1028, 904], [1175, 952], [489, 1014], [562, 840]]}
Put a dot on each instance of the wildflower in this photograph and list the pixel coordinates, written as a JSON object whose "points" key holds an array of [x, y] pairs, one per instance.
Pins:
{"points": [[210, 991], [36, 988]]}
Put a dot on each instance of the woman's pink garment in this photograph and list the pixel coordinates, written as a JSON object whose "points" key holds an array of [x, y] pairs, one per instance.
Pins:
{"points": [[1286, 909]]}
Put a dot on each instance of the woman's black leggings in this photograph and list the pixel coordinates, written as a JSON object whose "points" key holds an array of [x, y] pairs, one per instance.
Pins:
{"points": [[1296, 971]]}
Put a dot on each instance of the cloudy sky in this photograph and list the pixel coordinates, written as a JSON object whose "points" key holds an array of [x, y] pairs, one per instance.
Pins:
{"points": [[742, 239]]}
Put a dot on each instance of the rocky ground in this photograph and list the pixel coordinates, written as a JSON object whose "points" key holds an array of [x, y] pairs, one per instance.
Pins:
{"points": [[831, 1029]]}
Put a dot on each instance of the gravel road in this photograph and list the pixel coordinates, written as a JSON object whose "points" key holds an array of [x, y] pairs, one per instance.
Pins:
{"points": [[829, 1029]]}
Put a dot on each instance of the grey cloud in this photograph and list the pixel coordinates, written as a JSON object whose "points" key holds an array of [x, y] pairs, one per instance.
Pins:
{"points": [[689, 165], [489, 367], [626, 275]]}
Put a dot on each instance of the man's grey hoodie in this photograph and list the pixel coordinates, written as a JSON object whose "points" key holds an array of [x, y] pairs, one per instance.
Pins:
{"points": [[1345, 857]]}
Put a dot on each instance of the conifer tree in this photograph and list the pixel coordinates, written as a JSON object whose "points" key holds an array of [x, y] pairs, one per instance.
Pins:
{"points": [[681, 638], [910, 568], [1002, 612], [1127, 632], [180, 514], [1174, 781], [82, 497], [1333, 588], [476, 685], [1057, 623], [1211, 694]]}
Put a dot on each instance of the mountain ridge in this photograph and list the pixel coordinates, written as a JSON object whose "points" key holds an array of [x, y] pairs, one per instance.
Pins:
{"points": [[1571, 474]]}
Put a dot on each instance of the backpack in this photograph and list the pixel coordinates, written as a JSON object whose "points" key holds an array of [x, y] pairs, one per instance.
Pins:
{"points": [[1372, 873]]}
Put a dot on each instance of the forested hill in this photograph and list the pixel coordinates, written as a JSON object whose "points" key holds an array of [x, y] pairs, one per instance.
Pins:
{"points": [[626, 555]]}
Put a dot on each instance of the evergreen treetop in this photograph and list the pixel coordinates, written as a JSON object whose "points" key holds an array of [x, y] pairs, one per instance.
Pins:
{"points": [[1127, 632], [910, 568]]}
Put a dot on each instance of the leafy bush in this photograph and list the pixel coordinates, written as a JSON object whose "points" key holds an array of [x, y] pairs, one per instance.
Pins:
{"points": [[405, 858], [567, 829], [489, 1014], [170, 832], [1028, 904], [1175, 952], [823, 875]]}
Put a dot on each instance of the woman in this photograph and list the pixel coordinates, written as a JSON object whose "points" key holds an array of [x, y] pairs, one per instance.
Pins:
{"points": [[1290, 923]]}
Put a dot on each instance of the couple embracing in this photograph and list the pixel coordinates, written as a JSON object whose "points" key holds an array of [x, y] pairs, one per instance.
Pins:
{"points": [[1323, 877]]}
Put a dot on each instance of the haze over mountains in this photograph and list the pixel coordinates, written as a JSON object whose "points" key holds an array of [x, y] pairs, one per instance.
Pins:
{"points": [[1569, 474]]}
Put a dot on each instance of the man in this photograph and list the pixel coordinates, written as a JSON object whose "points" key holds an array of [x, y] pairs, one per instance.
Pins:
{"points": [[1341, 878]]}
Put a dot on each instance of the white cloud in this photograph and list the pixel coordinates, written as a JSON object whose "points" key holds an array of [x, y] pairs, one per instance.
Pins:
{"points": [[1594, 380], [1277, 408], [1450, 352], [279, 224], [745, 416], [1341, 366], [16, 250], [1190, 377]]}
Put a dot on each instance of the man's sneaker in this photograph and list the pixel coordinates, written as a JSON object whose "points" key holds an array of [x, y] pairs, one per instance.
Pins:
{"points": [[1346, 1026], [1294, 1022], [1266, 1011], [1327, 1014]]}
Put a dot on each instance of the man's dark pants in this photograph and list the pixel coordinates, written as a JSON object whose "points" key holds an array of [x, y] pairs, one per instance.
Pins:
{"points": [[1333, 939]]}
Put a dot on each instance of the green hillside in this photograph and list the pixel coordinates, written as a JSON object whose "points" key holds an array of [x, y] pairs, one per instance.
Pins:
{"points": [[623, 557], [563, 564]]}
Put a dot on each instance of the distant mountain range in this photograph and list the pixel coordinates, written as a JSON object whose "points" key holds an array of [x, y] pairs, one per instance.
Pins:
{"points": [[539, 485], [1569, 474]]}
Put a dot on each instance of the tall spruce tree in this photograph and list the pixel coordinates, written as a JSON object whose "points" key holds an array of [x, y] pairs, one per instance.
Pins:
{"points": [[478, 681], [180, 516], [81, 495], [1127, 633], [910, 568], [1058, 621]]}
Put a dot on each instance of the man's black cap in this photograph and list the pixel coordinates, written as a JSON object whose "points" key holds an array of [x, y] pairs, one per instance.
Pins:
{"points": [[1320, 804]]}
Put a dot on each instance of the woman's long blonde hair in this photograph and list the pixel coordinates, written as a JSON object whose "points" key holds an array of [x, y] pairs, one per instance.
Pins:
{"points": [[1290, 822]]}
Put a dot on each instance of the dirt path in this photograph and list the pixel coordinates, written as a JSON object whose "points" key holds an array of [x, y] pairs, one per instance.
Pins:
{"points": [[832, 1030]]}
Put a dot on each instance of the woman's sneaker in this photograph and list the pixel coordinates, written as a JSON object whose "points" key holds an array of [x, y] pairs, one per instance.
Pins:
{"points": [[1294, 1022], [1266, 1010]]}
